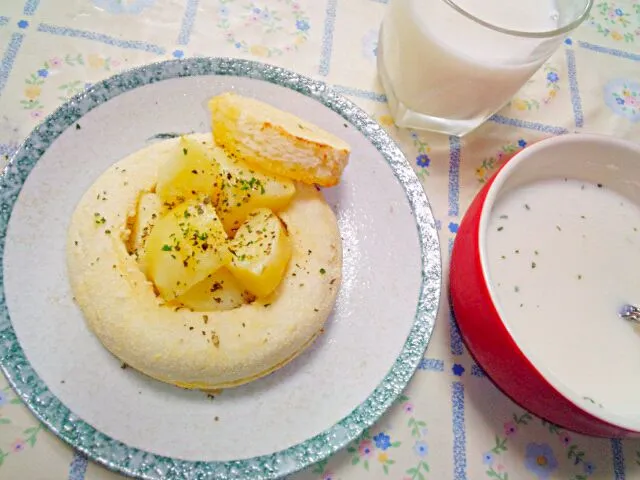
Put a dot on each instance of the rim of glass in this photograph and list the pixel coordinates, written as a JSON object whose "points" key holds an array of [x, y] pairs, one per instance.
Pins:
{"points": [[521, 33]]}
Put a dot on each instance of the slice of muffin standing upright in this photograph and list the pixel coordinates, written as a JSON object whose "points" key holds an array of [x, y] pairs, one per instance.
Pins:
{"points": [[277, 141]]}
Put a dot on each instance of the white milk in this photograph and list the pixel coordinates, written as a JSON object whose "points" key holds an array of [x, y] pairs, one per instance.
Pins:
{"points": [[438, 62], [563, 257]]}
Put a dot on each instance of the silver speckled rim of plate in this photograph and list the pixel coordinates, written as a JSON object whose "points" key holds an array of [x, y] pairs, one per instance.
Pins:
{"points": [[138, 463]]}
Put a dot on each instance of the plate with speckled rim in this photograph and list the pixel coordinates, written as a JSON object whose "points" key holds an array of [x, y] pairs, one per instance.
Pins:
{"points": [[298, 415]]}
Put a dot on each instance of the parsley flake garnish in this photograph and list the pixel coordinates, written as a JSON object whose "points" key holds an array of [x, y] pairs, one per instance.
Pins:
{"points": [[99, 219]]}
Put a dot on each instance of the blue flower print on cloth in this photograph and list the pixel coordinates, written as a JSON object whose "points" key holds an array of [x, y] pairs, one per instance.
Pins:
{"points": [[623, 98], [421, 449], [382, 441], [540, 460], [423, 160]]}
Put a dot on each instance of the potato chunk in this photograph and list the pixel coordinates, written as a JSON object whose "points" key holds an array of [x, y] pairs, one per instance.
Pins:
{"points": [[185, 246], [261, 251], [244, 189], [147, 214], [219, 291], [191, 172]]}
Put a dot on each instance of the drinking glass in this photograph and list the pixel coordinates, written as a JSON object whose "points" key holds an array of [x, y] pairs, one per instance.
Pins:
{"points": [[448, 65]]}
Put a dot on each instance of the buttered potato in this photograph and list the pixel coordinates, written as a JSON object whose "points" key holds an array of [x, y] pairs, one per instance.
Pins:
{"points": [[261, 250], [219, 291], [147, 213], [192, 171], [244, 189], [231, 190], [185, 246], [226, 191]]}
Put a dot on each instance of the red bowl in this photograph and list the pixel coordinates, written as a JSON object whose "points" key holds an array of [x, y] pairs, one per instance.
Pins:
{"points": [[506, 357]]}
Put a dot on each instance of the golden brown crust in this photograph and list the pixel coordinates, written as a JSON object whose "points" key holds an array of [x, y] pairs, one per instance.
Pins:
{"points": [[277, 141]]}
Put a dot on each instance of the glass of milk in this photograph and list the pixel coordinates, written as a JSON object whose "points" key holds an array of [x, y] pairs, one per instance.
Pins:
{"points": [[448, 65]]}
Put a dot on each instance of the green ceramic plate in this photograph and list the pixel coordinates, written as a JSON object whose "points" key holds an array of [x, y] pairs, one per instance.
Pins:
{"points": [[269, 428]]}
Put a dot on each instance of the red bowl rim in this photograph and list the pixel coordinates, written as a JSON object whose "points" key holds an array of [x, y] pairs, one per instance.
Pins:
{"points": [[623, 422]]}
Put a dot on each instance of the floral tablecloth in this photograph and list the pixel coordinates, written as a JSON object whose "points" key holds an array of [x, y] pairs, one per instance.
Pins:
{"points": [[451, 423]]}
